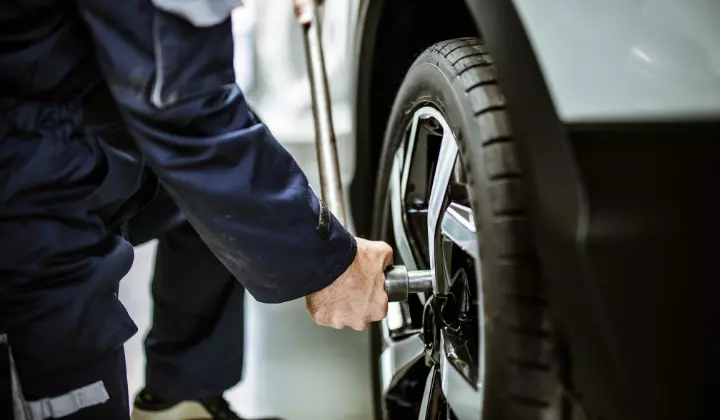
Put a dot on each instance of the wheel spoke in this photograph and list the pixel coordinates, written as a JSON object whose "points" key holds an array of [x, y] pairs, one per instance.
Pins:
{"points": [[402, 244], [410, 150], [397, 320], [398, 357], [443, 172], [432, 397], [458, 225], [463, 397]]}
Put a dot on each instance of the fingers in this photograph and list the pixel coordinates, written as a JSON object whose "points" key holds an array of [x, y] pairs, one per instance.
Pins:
{"points": [[304, 10], [380, 308], [387, 260], [358, 296], [380, 249], [359, 326], [357, 322], [383, 258], [387, 253], [317, 316], [340, 324]]}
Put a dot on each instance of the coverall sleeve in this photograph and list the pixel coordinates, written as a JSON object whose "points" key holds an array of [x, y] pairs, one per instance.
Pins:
{"points": [[238, 187]]}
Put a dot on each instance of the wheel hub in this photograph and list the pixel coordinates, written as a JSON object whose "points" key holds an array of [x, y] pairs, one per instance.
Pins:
{"points": [[430, 330]]}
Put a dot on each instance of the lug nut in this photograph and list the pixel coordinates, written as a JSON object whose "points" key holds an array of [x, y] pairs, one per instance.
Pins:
{"points": [[399, 282]]}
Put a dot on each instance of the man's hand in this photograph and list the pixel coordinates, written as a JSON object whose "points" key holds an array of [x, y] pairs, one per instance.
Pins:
{"points": [[304, 10], [358, 296]]}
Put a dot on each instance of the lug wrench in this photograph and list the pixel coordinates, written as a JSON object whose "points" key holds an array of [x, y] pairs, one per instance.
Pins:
{"points": [[399, 282]]}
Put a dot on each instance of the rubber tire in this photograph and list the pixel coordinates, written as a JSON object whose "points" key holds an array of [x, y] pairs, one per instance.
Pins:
{"points": [[458, 78]]}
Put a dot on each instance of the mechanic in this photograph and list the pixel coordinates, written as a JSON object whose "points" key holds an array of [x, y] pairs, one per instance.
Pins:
{"points": [[77, 190]]}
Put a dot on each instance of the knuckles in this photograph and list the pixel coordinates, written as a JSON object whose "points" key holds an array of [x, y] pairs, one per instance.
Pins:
{"points": [[360, 326], [338, 322], [318, 316]]}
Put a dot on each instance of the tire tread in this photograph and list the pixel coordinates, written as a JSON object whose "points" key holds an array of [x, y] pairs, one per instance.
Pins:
{"points": [[531, 378]]}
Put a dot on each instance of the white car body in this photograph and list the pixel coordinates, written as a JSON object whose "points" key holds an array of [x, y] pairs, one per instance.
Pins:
{"points": [[626, 60]]}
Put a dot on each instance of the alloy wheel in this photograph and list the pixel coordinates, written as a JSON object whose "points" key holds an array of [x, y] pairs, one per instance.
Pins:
{"points": [[432, 360]]}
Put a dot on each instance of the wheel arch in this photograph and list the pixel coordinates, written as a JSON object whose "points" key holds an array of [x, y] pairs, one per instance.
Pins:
{"points": [[391, 34]]}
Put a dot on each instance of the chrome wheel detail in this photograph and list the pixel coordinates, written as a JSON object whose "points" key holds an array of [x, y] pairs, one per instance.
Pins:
{"points": [[432, 362], [458, 226], [399, 358]]}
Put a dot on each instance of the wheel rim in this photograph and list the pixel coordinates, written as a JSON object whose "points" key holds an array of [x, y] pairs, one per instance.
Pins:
{"points": [[438, 357]]}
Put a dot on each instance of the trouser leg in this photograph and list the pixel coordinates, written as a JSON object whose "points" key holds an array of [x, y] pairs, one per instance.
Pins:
{"points": [[65, 336], [97, 390], [60, 265], [195, 346]]}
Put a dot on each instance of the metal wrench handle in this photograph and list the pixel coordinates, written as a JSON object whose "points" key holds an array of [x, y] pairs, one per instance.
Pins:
{"points": [[327, 156], [399, 282]]}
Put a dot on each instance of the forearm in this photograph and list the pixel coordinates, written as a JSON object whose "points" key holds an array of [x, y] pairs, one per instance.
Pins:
{"points": [[252, 205]]}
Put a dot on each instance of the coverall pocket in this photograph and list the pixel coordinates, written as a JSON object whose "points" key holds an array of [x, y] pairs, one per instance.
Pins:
{"points": [[128, 186], [124, 171], [116, 196]]}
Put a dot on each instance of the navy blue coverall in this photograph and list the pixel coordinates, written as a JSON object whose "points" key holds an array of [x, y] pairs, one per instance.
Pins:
{"points": [[77, 190]]}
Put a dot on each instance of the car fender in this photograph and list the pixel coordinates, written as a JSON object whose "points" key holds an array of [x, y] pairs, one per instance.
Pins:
{"points": [[622, 60]]}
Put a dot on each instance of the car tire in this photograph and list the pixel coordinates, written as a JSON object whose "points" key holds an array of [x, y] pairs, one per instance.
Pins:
{"points": [[521, 370]]}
